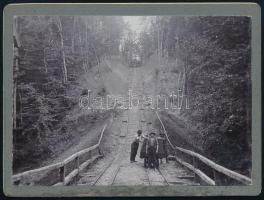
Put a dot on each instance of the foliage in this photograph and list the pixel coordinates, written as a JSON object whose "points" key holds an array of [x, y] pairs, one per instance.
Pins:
{"points": [[55, 55], [214, 55]]}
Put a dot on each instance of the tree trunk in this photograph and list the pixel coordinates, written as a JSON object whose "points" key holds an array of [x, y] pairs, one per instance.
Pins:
{"points": [[86, 52], [44, 60], [159, 44], [161, 41], [72, 39], [64, 68], [21, 109], [16, 45], [98, 62], [14, 105], [179, 82], [185, 80]]}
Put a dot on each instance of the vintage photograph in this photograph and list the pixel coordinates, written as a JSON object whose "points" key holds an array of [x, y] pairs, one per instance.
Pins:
{"points": [[132, 100]]}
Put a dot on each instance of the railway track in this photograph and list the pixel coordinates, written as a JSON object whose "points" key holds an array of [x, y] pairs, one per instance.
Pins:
{"points": [[101, 174], [165, 180], [116, 168], [119, 170], [144, 122], [115, 175], [114, 163]]}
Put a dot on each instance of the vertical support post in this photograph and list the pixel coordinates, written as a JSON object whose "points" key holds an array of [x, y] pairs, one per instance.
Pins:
{"points": [[89, 155], [195, 166], [99, 151], [216, 178], [76, 166], [62, 174], [173, 154], [181, 155], [176, 155]]}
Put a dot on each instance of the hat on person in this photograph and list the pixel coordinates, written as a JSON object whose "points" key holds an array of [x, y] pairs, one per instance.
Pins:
{"points": [[152, 133], [139, 132]]}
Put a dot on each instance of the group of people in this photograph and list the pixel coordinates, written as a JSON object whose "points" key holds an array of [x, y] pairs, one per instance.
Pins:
{"points": [[153, 149]]}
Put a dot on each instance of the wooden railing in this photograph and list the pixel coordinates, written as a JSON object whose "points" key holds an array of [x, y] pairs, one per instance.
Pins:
{"points": [[215, 173], [75, 163]]}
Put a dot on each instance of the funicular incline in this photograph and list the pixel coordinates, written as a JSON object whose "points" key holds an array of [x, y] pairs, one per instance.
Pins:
{"points": [[91, 167]]}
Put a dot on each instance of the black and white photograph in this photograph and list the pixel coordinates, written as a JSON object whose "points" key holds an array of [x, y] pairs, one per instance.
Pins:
{"points": [[159, 100]]}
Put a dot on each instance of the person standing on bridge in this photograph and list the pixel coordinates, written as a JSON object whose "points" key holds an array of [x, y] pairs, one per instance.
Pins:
{"points": [[162, 147], [143, 151], [134, 146], [152, 148]]}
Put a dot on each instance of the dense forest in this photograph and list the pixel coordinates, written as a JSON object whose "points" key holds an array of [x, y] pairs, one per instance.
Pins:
{"points": [[58, 58], [213, 54]]}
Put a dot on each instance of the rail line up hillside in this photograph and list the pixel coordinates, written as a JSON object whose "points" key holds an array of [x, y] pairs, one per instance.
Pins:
{"points": [[205, 171]]}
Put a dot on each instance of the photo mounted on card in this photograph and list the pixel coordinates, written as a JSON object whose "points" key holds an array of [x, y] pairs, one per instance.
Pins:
{"points": [[132, 99]]}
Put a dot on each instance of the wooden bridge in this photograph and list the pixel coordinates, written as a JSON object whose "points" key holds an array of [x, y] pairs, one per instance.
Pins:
{"points": [[185, 167], [91, 167]]}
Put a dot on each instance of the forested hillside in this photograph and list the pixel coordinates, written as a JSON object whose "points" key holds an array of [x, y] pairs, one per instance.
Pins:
{"points": [[58, 60], [213, 55]]}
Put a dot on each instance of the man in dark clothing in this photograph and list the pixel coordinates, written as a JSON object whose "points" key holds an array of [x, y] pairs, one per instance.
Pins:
{"points": [[152, 146], [134, 146], [143, 151]]}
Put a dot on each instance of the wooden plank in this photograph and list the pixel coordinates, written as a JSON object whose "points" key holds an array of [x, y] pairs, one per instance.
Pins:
{"points": [[203, 176], [87, 150], [70, 176], [35, 171], [79, 153], [219, 168], [102, 133], [71, 158], [76, 171]]}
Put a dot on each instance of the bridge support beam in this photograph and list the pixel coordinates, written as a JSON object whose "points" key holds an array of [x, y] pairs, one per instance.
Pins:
{"points": [[195, 165], [76, 166], [62, 174]]}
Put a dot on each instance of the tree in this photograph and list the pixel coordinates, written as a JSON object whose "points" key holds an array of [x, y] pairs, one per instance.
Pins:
{"points": [[213, 53], [55, 54]]}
